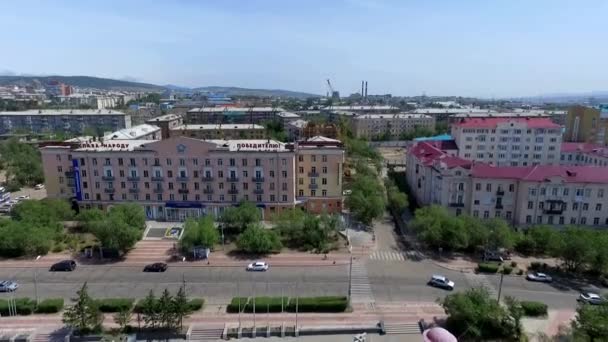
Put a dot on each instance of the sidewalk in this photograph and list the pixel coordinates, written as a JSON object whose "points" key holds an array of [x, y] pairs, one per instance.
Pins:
{"points": [[549, 325]]}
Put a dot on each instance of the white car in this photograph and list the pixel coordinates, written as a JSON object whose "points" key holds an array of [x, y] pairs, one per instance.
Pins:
{"points": [[258, 266], [540, 277], [8, 286], [442, 282], [39, 186], [22, 197], [591, 298]]}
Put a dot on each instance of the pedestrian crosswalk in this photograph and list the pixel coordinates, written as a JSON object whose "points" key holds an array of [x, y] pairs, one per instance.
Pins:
{"points": [[480, 280], [396, 255], [360, 288]]}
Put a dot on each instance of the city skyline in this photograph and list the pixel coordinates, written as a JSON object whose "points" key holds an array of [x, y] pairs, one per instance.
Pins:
{"points": [[506, 49]]}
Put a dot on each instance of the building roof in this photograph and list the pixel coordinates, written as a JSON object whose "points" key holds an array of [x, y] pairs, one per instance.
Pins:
{"points": [[320, 142], [359, 108], [494, 122], [299, 123], [433, 152], [288, 115], [134, 132], [541, 173], [250, 145], [236, 109], [166, 117], [210, 127], [112, 145], [392, 116], [500, 115], [450, 110], [65, 112]]}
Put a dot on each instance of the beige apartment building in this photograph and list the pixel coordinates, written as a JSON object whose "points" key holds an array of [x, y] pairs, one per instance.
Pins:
{"points": [[390, 126], [182, 177], [522, 195], [220, 131], [508, 141], [166, 123]]}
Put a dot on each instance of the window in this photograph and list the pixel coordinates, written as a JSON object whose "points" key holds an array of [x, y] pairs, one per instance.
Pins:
{"points": [[313, 158], [532, 192], [272, 173], [324, 158], [120, 161], [284, 174], [565, 193], [587, 192], [489, 187], [324, 169], [284, 186], [324, 193], [284, 198], [232, 162], [477, 186], [598, 207], [600, 193], [207, 162], [511, 187], [585, 206], [220, 163], [539, 219], [168, 161], [170, 186], [301, 169], [596, 221], [475, 213], [220, 174], [244, 162], [530, 205], [313, 193], [323, 181], [476, 202], [300, 158], [583, 220], [561, 220], [508, 216], [486, 214], [574, 206], [460, 186], [528, 219], [541, 205]]}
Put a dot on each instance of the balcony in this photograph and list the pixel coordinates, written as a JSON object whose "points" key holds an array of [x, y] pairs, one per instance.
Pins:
{"points": [[257, 179], [207, 179], [69, 174], [554, 207], [181, 179], [313, 174], [109, 190], [456, 205], [159, 190], [207, 191], [183, 191], [258, 191], [500, 192], [233, 191], [157, 179], [133, 178], [232, 179], [107, 178], [133, 190], [313, 186]]}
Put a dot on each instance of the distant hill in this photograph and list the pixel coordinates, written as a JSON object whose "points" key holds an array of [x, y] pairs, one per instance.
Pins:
{"points": [[82, 82], [235, 91]]}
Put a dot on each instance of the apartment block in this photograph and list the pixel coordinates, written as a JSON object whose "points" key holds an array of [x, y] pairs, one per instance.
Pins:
{"points": [[73, 121], [586, 124], [182, 177], [508, 141], [220, 131], [583, 154], [224, 115], [166, 123], [391, 126]]}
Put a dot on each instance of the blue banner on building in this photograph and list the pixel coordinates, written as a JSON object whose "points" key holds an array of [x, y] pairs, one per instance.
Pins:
{"points": [[183, 204], [77, 179]]}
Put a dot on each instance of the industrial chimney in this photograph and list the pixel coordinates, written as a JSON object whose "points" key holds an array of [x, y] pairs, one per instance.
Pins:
{"points": [[365, 89], [362, 94]]}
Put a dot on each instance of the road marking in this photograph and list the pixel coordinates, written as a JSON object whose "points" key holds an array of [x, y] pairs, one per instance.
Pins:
{"points": [[360, 287]]}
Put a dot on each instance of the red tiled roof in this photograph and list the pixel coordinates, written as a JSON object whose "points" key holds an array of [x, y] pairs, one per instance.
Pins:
{"points": [[585, 148], [534, 122], [540, 173], [429, 152]]}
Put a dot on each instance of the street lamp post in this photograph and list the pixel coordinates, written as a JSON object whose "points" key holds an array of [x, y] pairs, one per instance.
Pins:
{"points": [[36, 280], [350, 276], [502, 275]]}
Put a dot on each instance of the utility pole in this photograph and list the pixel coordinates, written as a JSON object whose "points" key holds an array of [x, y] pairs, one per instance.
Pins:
{"points": [[239, 297], [297, 298], [350, 276], [253, 306], [36, 280], [502, 275]]}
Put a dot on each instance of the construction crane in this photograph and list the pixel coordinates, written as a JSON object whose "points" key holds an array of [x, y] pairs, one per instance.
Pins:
{"points": [[335, 95]]}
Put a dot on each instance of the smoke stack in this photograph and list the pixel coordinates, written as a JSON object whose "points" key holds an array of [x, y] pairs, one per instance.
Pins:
{"points": [[365, 89], [362, 84]]}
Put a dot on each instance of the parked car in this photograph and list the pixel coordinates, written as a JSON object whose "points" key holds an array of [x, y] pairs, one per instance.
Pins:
{"points": [[6, 208], [8, 286], [64, 265], [258, 266], [441, 282], [540, 277], [590, 298], [39, 186], [22, 197], [156, 267]]}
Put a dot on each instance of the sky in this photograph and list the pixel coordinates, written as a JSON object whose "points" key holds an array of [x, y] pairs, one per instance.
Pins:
{"points": [[482, 48]]}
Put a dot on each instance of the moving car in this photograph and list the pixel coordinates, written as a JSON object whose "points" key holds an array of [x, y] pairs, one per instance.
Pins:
{"points": [[8, 286], [442, 282], [39, 186], [156, 267], [590, 298], [540, 277], [64, 265], [258, 266]]}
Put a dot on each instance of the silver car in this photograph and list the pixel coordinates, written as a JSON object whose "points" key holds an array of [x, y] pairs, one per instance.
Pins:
{"points": [[591, 298], [8, 286], [540, 277]]}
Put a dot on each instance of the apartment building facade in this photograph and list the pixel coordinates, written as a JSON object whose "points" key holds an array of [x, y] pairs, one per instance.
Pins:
{"points": [[181, 177], [218, 115], [583, 154], [508, 141], [391, 126], [166, 123], [587, 124], [73, 121], [220, 131]]}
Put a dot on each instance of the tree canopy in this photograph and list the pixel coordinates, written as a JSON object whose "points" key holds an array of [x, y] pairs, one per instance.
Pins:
{"points": [[22, 164], [201, 232], [307, 231], [236, 219], [256, 239], [119, 229], [591, 323]]}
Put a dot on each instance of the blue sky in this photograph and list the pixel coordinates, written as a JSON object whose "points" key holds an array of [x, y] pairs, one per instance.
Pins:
{"points": [[487, 48]]}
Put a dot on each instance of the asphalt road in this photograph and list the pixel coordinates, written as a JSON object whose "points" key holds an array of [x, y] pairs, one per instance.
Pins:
{"points": [[390, 281]]}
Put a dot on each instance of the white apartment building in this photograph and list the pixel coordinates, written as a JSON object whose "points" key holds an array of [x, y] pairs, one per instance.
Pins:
{"points": [[573, 153], [371, 126], [508, 141]]}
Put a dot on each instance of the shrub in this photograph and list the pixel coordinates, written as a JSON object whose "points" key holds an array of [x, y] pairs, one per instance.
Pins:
{"points": [[267, 304], [520, 272], [534, 309], [486, 267], [196, 304], [234, 305], [115, 304], [535, 265], [513, 264], [24, 306], [318, 304], [51, 305], [507, 269]]}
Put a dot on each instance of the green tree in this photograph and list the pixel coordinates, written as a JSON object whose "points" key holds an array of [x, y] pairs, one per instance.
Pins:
{"points": [[256, 239], [366, 201], [500, 235], [180, 306], [130, 213], [438, 229], [576, 247], [21, 162], [397, 200], [21, 238], [236, 219], [591, 323], [84, 316], [476, 231], [150, 310], [306, 231], [115, 234], [48, 212], [122, 318], [201, 232], [166, 315]]}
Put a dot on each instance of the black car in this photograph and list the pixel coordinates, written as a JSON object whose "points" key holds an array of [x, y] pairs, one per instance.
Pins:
{"points": [[64, 265], [156, 267]]}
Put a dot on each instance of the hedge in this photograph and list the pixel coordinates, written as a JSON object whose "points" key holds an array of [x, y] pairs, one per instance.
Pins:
{"points": [[534, 309], [24, 306], [114, 304], [234, 305], [507, 270], [196, 304], [266, 304], [486, 267], [318, 304], [51, 305]]}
